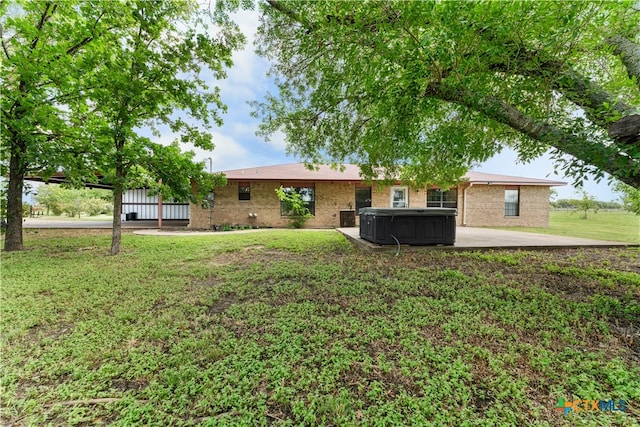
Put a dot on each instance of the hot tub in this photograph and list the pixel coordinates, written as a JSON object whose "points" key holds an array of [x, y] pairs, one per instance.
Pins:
{"points": [[428, 226]]}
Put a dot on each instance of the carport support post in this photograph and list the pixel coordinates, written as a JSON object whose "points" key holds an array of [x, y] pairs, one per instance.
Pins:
{"points": [[160, 206]]}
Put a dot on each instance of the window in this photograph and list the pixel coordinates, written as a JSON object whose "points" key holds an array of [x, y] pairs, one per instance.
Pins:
{"points": [[244, 191], [512, 201], [308, 197], [399, 197], [363, 198], [437, 198]]}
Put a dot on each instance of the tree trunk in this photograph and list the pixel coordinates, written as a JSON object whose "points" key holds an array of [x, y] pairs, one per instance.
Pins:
{"points": [[116, 233], [13, 238]]}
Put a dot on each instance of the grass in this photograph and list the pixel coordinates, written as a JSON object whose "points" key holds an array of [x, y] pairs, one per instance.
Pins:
{"points": [[300, 328], [618, 226]]}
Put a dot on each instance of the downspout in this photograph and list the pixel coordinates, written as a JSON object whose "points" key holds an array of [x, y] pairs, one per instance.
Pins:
{"points": [[464, 205]]}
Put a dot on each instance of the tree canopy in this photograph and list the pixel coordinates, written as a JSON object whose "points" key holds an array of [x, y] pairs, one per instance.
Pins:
{"points": [[156, 72], [42, 42], [84, 81], [425, 89]]}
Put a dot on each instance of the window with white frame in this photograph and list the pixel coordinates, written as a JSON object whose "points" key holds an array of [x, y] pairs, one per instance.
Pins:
{"points": [[437, 198], [512, 201], [399, 197]]}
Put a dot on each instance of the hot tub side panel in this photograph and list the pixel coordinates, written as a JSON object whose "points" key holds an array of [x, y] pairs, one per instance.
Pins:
{"points": [[408, 230]]}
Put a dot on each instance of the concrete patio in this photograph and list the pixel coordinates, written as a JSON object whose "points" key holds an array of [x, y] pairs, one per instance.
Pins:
{"points": [[466, 237], [487, 238]]}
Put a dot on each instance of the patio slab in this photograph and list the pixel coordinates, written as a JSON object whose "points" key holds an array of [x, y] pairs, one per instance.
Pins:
{"points": [[487, 238]]}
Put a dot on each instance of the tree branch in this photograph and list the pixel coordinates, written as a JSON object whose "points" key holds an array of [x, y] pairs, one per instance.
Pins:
{"points": [[390, 16], [43, 19], [4, 45], [602, 156], [73, 49], [629, 53], [291, 14], [577, 88], [626, 130]]}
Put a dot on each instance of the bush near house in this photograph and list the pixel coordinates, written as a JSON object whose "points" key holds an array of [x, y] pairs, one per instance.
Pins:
{"points": [[294, 207]]}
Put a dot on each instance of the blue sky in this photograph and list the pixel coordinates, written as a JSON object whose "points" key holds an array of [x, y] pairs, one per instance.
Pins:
{"points": [[237, 146]]}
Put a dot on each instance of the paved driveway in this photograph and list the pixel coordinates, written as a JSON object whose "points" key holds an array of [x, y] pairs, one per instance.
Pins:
{"points": [[466, 237], [470, 237]]}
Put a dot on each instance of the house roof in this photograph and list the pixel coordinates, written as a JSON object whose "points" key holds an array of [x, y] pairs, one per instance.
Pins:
{"points": [[298, 172], [295, 172], [492, 178]]}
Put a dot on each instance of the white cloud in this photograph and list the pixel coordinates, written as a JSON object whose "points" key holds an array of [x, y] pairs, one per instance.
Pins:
{"points": [[246, 80], [226, 155], [246, 128], [277, 141]]}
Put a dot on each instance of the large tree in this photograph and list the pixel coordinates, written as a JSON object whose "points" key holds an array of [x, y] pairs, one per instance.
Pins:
{"points": [[425, 89], [157, 73], [82, 80], [42, 44]]}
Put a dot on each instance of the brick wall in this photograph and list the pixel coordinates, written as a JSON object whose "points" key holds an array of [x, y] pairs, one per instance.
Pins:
{"points": [[381, 196], [330, 198], [485, 207], [485, 204]]}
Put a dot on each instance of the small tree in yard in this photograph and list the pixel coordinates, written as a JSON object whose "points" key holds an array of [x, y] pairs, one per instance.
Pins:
{"points": [[587, 202], [155, 73], [293, 203], [553, 195], [73, 201], [630, 197]]}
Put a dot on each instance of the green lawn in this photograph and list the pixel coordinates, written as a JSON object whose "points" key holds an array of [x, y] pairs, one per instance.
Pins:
{"points": [[618, 226], [299, 328]]}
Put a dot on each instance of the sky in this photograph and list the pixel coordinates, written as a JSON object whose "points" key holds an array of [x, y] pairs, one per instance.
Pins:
{"points": [[237, 146]]}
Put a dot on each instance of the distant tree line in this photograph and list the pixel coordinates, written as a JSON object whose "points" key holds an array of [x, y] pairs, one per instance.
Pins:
{"points": [[629, 200], [576, 203], [74, 202], [629, 197]]}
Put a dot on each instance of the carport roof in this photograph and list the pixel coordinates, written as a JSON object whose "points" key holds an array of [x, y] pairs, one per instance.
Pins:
{"points": [[299, 172], [60, 178]]}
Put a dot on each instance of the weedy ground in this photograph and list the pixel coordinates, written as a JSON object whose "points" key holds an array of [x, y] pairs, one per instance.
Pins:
{"points": [[300, 328]]}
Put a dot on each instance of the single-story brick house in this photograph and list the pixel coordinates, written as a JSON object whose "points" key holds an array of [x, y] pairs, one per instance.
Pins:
{"points": [[334, 197]]}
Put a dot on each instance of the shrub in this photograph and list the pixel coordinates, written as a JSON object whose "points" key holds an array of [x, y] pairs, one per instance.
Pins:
{"points": [[295, 205]]}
